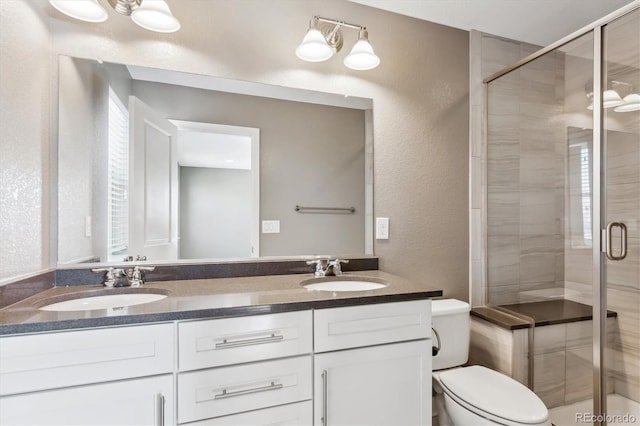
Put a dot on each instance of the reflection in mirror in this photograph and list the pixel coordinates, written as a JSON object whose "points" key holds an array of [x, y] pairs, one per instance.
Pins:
{"points": [[622, 150], [580, 186], [160, 165]]}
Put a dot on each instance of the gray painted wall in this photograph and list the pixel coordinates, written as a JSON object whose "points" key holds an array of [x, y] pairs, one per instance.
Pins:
{"points": [[215, 213]]}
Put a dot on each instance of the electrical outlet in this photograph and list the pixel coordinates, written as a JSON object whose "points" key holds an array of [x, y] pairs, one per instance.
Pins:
{"points": [[270, 226]]}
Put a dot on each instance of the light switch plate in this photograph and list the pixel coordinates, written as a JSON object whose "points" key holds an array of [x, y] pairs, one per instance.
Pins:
{"points": [[382, 228], [270, 226], [87, 226]]}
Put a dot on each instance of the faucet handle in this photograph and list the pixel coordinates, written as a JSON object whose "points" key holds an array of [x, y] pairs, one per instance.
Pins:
{"points": [[321, 266], [335, 264], [321, 261], [135, 277], [111, 275]]}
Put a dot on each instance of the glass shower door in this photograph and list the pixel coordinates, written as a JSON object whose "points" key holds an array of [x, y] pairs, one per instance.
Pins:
{"points": [[621, 215]]}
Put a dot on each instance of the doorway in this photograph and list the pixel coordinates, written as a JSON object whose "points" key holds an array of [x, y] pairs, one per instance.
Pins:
{"points": [[219, 181]]}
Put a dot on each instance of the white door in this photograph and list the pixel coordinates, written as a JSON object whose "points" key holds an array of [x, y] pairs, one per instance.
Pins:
{"points": [[378, 385], [153, 197], [131, 402]]}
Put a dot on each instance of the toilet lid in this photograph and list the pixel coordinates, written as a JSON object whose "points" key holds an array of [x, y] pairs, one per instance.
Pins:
{"points": [[495, 394]]}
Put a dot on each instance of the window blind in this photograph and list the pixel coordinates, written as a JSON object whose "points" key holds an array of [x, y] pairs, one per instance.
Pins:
{"points": [[118, 176], [585, 189]]}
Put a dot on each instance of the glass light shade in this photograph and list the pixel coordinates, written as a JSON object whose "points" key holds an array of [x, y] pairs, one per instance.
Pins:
{"points": [[155, 15], [314, 47], [611, 98], [84, 10], [362, 56], [631, 103]]}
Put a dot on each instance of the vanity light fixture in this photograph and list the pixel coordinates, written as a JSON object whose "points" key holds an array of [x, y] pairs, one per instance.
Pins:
{"points": [[611, 98], [323, 39], [153, 15], [631, 103], [84, 10]]}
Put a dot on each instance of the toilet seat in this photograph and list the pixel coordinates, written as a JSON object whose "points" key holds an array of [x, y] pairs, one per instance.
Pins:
{"points": [[493, 395]]}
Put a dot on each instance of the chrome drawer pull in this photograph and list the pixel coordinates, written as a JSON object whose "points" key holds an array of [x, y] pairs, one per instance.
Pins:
{"points": [[325, 397], [226, 344], [225, 394], [160, 404]]}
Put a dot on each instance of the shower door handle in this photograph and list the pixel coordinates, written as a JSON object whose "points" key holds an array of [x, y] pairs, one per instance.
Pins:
{"points": [[623, 241]]}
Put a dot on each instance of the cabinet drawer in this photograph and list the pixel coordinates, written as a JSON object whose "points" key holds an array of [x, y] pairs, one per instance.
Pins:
{"points": [[357, 326], [227, 341], [229, 390], [298, 414], [54, 360]]}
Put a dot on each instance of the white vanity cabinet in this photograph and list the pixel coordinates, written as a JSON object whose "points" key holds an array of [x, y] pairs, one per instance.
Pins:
{"points": [[386, 378], [230, 367], [366, 364], [120, 375]]}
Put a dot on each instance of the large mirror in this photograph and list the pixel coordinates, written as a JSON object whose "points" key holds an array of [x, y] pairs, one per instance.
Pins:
{"points": [[169, 166]]}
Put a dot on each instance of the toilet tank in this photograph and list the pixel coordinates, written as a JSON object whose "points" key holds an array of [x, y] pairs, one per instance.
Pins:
{"points": [[450, 319]]}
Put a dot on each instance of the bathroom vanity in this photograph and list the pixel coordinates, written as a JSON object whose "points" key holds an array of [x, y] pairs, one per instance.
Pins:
{"points": [[252, 350]]}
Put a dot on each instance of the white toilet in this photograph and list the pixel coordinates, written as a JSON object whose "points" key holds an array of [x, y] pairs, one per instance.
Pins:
{"points": [[474, 395]]}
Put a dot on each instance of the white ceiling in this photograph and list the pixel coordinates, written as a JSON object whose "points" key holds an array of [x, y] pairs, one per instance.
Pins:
{"points": [[215, 146], [539, 22], [213, 150]]}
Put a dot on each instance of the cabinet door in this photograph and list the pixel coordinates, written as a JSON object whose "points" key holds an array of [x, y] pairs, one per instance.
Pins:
{"points": [[137, 402], [379, 385]]}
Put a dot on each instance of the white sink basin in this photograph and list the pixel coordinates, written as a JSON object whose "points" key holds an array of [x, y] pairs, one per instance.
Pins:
{"points": [[342, 283], [103, 302]]}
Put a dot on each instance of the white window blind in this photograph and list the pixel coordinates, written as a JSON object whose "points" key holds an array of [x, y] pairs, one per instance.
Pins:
{"points": [[118, 176], [585, 187]]}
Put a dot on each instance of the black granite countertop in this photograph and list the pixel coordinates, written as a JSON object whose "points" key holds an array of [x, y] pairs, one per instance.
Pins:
{"points": [[203, 298]]}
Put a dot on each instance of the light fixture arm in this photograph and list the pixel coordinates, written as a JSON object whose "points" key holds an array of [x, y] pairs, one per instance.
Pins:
{"points": [[125, 7], [339, 23], [333, 36]]}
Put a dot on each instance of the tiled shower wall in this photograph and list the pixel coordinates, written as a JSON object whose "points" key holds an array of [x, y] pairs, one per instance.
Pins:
{"points": [[524, 163]]}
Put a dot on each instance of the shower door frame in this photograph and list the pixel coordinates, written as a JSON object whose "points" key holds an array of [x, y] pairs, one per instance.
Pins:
{"points": [[599, 202]]}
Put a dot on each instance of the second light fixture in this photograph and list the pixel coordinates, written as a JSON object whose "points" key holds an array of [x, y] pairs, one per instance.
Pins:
{"points": [[324, 39], [153, 15]]}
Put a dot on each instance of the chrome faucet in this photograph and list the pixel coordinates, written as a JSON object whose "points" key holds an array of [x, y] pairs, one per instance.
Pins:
{"points": [[112, 277], [118, 277], [135, 277], [327, 267], [334, 265]]}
